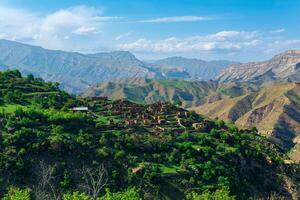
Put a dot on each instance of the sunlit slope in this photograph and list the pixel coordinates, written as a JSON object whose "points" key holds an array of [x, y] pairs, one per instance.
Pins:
{"points": [[274, 110]]}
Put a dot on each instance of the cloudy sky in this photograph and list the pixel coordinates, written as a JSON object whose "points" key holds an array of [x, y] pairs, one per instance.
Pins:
{"points": [[240, 30]]}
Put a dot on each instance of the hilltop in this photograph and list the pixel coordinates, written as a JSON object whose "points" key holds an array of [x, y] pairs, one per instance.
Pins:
{"points": [[155, 151]]}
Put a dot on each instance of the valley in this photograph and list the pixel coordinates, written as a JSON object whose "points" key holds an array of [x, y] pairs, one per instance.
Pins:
{"points": [[270, 103]]}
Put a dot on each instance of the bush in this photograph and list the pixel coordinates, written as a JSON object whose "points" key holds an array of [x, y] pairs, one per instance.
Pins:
{"points": [[17, 194], [129, 194], [222, 194], [76, 196]]}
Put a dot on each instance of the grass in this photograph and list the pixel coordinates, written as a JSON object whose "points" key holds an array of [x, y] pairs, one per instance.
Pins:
{"points": [[177, 83], [40, 93], [294, 153], [10, 108], [103, 119], [168, 169]]}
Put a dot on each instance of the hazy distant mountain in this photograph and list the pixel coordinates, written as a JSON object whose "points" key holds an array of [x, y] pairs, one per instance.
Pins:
{"points": [[194, 69], [74, 71], [77, 71], [282, 67]]}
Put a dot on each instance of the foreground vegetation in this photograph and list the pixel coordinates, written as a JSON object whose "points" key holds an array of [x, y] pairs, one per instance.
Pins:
{"points": [[48, 151]]}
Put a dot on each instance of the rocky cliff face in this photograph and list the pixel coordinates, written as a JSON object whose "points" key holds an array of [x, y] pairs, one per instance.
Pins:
{"points": [[280, 67]]}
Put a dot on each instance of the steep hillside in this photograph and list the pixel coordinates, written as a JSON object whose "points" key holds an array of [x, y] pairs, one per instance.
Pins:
{"points": [[282, 67], [274, 110], [190, 93], [74, 71], [195, 69], [81, 148]]}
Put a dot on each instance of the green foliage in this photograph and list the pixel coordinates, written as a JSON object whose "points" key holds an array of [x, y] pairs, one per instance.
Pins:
{"points": [[129, 194], [76, 196], [39, 126], [221, 194], [17, 194]]}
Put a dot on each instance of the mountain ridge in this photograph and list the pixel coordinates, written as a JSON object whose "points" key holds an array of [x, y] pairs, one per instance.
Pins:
{"points": [[77, 71], [280, 67], [197, 69]]}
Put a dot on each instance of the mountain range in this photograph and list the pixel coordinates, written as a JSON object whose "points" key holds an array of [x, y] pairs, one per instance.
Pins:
{"points": [[75, 71], [263, 94]]}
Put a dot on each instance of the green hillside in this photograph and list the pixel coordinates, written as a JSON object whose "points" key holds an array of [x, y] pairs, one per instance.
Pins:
{"points": [[122, 150], [190, 93], [273, 108]]}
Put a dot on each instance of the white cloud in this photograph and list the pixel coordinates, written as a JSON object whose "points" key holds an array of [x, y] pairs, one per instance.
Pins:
{"points": [[57, 30], [224, 40], [119, 37], [282, 30], [279, 46], [176, 19], [84, 30], [287, 43]]}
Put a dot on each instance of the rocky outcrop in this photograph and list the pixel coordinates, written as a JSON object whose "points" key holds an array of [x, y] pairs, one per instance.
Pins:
{"points": [[279, 67]]}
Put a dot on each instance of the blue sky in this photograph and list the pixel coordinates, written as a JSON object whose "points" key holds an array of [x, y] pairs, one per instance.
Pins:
{"points": [[242, 30]]}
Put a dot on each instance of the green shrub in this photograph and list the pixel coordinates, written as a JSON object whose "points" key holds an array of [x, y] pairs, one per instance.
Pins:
{"points": [[129, 194], [17, 194], [76, 196], [222, 194]]}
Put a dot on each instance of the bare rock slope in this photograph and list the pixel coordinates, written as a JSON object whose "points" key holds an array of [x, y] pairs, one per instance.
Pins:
{"points": [[281, 67]]}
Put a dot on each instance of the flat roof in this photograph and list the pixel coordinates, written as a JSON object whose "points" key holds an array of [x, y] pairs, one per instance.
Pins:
{"points": [[80, 108]]}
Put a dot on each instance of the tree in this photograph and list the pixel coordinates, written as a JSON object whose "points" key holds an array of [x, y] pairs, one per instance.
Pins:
{"points": [[178, 103], [222, 194], [76, 196], [93, 180], [46, 187], [30, 77], [129, 194], [17, 194]]}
